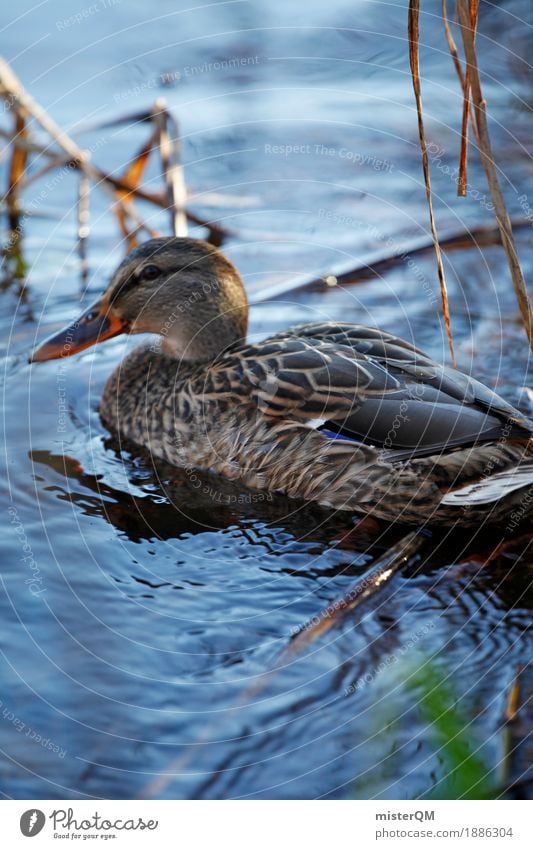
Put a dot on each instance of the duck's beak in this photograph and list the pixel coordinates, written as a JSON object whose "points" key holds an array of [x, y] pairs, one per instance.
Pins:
{"points": [[97, 323]]}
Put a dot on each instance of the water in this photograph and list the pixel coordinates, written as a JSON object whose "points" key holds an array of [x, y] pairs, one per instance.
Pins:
{"points": [[137, 628]]}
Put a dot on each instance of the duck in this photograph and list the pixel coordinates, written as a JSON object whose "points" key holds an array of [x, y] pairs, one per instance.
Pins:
{"points": [[349, 416]]}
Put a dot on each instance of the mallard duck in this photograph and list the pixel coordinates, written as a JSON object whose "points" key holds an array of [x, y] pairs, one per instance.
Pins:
{"points": [[342, 414]]}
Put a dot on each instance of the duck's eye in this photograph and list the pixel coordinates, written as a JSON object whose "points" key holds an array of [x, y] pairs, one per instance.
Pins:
{"points": [[91, 316], [150, 272]]}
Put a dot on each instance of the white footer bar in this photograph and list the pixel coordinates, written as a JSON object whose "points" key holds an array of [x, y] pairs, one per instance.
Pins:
{"points": [[267, 824]]}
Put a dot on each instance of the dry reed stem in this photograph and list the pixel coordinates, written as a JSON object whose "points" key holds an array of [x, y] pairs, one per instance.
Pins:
{"points": [[83, 223], [128, 186], [27, 105], [485, 149], [137, 167], [16, 171], [24, 144], [462, 179], [513, 700], [24, 105], [452, 47], [516, 731], [463, 157], [414, 38], [59, 161], [169, 150], [217, 233]]}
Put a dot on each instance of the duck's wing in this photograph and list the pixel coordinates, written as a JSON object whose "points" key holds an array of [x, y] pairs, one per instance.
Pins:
{"points": [[358, 382]]}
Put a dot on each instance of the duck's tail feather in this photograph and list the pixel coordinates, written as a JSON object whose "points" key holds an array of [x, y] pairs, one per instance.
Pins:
{"points": [[393, 455], [494, 487]]}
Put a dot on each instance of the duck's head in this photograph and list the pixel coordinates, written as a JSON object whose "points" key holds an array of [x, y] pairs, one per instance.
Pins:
{"points": [[182, 289]]}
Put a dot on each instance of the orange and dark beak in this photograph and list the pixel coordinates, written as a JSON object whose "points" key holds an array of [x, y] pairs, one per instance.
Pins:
{"points": [[97, 323]]}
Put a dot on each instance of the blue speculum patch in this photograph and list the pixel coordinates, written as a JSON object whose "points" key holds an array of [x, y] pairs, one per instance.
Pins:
{"points": [[332, 435]]}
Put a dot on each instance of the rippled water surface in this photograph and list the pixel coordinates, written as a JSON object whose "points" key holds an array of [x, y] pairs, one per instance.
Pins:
{"points": [[141, 606]]}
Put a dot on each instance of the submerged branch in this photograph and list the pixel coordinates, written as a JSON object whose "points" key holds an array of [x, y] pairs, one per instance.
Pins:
{"points": [[375, 262], [366, 587]]}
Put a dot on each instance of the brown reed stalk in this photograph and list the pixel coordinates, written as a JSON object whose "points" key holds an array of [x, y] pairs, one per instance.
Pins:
{"points": [[17, 167], [414, 39], [463, 157], [127, 188], [123, 190], [466, 9], [170, 153], [452, 47], [83, 223]]}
